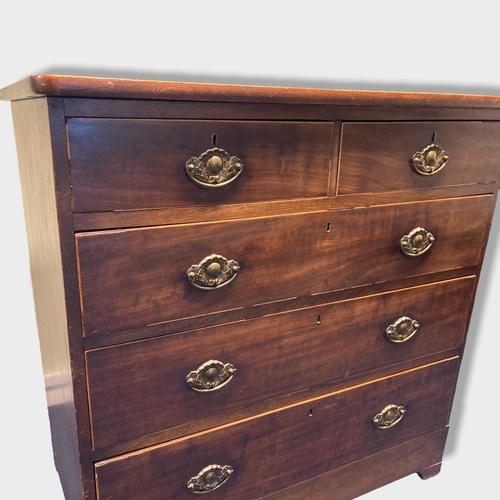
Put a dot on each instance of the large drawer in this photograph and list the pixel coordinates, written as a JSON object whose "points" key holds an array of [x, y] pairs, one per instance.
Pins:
{"points": [[141, 388], [135, 277], [270, 452], [377, 156], [133, 164]]}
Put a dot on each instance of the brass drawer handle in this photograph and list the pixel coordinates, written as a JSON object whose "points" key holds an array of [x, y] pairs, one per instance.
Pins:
{"points": [[430, 160], [213, 168], [416, 242], [209, 479], [402, 330], [213, 272], [210, 376], [389, 417]]}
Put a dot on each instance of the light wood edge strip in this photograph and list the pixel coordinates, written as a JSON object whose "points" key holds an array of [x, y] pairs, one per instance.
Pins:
{"points": [[278, 410], [281, 312], [253, 312], [61, 85], [215, 213]]}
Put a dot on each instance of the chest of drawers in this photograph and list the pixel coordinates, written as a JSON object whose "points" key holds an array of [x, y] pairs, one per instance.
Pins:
{"points": [[250, 292]]}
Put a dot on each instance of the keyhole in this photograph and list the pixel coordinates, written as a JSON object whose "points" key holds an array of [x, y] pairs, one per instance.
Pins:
{"points": [[318, 320], [311, 412], [434, 137], [214, 139], [328, 227]]}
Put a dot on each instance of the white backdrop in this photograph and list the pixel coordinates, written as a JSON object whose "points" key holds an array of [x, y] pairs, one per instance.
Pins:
{"points": [[417, 46]]}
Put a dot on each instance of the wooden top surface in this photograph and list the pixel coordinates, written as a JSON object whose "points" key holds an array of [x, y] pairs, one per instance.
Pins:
{"points": [[116, 88]]}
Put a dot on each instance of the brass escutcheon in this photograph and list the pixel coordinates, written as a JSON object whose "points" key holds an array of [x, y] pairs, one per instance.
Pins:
{"points": [[402, 330], [209, 479], [213, 272], [210, 376], [214, 168], [416, 242], [389, 417], [430, 160]]}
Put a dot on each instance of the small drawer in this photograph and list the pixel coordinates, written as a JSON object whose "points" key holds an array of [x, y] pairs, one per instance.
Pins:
{"points": [[139, 164], [138, 277], [380, 156], [264, 454], [165, 382]]}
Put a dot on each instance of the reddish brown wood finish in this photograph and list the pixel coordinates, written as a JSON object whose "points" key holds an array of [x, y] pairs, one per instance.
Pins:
{"points": [[137, 277], [128, 278], [170, 109], [376, 157], [67, 86], [353, 480], [267, 453], [429, 472], [136, 164], [184, 215], [43, 166], [139, 388]]}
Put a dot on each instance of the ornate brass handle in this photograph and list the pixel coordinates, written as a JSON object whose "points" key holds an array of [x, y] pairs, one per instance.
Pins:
{"points": [[430, 160], [389, 417], [402, 330], [213, 272], [209, 479], [416, 242], [214, 168], [210, 376]]}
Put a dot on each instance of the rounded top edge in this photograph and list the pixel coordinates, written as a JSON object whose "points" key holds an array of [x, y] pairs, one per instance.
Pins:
{"points": [[40, 85]]}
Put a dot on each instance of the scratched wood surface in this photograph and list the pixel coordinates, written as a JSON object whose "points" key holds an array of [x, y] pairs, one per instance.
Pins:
{"points": [[272, 451], [77, 86], [137, 164], [136, 277], [41, 149], [140, 388], [375, 157], [422, 456], [301, 243]]}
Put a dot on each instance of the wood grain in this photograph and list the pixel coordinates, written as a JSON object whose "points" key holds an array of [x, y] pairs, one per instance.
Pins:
{"points": [[267, 453], [375, 157], [303, 322], [183, 215], [39, 127], [66, 86], [137, 164], [352, 481], [137, 277], [139, 389], [192, 110]]}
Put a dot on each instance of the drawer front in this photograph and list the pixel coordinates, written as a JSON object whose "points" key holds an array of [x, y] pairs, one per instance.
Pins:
{"points": [[133, 164], [281, 448], [132, 278], [377, 156], [141, 388]]}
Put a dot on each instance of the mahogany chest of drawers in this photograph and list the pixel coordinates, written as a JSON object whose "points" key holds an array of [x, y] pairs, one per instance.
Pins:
{"points": [[250, 292]]}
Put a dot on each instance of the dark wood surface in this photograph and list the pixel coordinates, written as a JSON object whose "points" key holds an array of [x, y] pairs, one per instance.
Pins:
{"points": [[132, 283], [353, 480], [139, 388], [268, 453], [39, 128], [376, 157], [275, 255], [191, 110], [183, 215], [67, 86], [137, 164]]}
